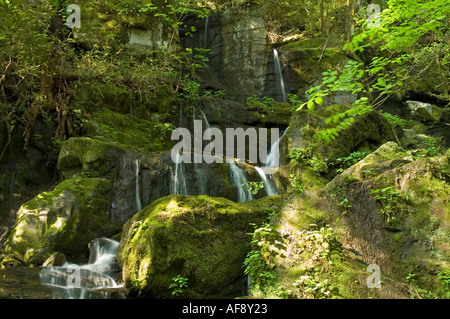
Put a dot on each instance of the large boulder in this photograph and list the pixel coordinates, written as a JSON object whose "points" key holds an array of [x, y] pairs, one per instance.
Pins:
{"points": [[387, 212], [65, 220], [365, 133], [201, 238]]}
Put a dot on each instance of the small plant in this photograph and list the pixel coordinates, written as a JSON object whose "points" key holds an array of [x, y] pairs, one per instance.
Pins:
{"points": [[429, 147], [252, 100], [343, 163], [314, 288], [269, 102], [297, 184], [394, 120], [346, 205], [299, 155], [178, 285], [219, 94], [444, 277], [253, 187], [388, 197], [319, 166]]}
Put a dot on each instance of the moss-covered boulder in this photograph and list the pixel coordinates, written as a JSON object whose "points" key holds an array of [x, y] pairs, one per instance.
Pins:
{"points": [[87, 157], [203, 239], [390, 210], [64, 220], [114, 24], [366, 133], [386, 157]]}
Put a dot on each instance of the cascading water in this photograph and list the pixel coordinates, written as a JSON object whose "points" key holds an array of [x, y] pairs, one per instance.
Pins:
{"points": [[138, 198], [272, 163], [279, 74], [179, 186], [273, 159], [237, 176], [205, 40], [91, 281], [270, 190], [200, 168]]}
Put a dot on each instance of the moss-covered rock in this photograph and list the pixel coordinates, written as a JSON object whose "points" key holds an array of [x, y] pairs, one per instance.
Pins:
{"points": [[65, 220], [200, 238], [391, 209], [367, 132], [387, 156], [85, 156], [132, 132], [111, 23]]}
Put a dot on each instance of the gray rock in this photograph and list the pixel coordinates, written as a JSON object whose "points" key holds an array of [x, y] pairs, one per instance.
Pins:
{"points": [[57, 259]]}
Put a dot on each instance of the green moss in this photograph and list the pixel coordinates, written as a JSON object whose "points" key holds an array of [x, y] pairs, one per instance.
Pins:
{"points": [[130, 132], [316, 43], [65, 219], [201, 238], [84, 156]]}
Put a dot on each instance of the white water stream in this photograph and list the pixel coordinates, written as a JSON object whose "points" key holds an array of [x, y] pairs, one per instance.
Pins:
{"points": [[90, 281]]}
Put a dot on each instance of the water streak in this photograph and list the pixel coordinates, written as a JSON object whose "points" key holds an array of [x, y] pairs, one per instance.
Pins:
{"points": [[279, 74], [138, 198], [205, 40], [179, 186], [273, 159], [270, 190], [238, 175]]}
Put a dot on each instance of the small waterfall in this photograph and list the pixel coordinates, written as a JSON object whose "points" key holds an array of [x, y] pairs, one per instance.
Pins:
{"points": [[138, 198], [270, 190], [205, 40], [179, 186], [273, 162], [90, 281], [200, 167], [279, 74], [181, 116], [273, 159], [237, 176], [207, 126]]}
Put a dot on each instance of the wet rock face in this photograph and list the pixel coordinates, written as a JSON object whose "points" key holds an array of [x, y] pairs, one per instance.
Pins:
{"points": [[150, 174], [22, 283], [239, 50]]}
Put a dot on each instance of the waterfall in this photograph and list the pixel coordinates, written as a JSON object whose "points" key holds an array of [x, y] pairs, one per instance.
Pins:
{"points": [[200, 167], [205, 119], [273, 159], [138, 198], [179, 186], [90, 281], [272, 163], [181, 115], [270, 190], [279, 74], [205, 40], [237, 176]]}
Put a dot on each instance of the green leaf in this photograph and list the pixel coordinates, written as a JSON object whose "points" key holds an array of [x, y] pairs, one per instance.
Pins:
{"points": [[319, 101], [311, 105]]}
